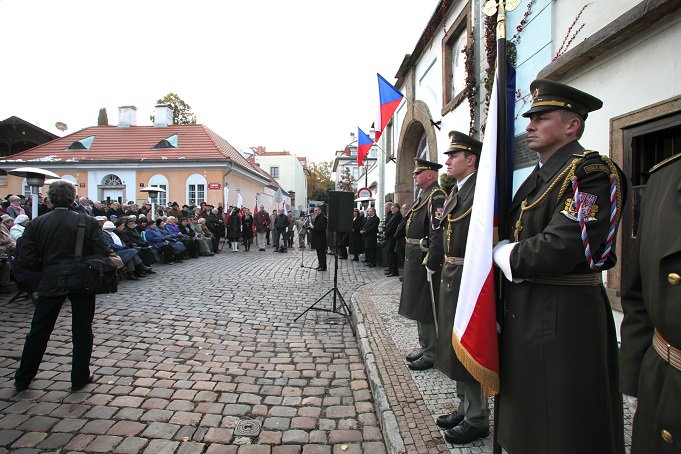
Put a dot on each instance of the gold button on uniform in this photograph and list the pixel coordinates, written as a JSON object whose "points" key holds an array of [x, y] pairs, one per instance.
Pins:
{"points": [[674, 279], [667, 437]]}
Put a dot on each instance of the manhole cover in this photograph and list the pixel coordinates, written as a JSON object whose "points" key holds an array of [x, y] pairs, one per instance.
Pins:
{"points": [[247, 427]]}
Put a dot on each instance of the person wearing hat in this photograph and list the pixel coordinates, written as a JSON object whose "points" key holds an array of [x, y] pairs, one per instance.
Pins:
{"points": [[559, 355], [650, 376], [17, 229], [417, 302], [130, 256], [471, 420]]}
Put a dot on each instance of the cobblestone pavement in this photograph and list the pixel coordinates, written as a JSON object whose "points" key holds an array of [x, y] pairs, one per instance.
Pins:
{"points": [[186, 357], [181, 357], [415, 398]]}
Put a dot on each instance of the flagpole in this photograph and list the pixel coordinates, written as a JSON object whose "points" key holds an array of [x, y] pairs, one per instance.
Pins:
{"points": [[433, 123], [502, 179]]}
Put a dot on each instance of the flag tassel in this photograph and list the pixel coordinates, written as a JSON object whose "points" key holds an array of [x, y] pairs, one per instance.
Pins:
{"points": [[488, 379]]}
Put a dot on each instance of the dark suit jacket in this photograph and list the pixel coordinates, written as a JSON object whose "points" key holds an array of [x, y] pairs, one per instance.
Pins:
{"points": [[369, 232], [318, 232]]}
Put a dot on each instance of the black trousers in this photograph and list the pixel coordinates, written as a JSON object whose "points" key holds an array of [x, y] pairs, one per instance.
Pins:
{"points": [[370, 254], [44, 318], [321, 257], [392, 256]]}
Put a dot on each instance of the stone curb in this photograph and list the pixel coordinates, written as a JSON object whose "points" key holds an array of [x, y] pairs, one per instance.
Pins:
{"points": [[394, 443]]}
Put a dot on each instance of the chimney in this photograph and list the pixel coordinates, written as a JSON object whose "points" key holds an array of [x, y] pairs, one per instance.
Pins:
{"points": [[127, 116], [163, 115]]}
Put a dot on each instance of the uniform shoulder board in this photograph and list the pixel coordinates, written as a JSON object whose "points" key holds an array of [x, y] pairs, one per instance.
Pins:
{"points": [[587, 153], [658, 166], [439, 194]]}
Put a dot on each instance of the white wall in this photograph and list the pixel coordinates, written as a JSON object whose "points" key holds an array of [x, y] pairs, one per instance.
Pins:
{"points": [[624, 81]]}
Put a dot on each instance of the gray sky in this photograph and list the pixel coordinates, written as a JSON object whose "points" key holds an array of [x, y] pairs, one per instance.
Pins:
{"points": [[297, 75]]}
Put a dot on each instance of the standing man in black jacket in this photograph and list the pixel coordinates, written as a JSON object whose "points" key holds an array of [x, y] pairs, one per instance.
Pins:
{"points": [[391, 241], [318, 237], [48, 241], [369, 232]]}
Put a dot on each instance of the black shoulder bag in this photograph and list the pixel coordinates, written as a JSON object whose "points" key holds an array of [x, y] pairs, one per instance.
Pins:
{"points": [[88, 275]]}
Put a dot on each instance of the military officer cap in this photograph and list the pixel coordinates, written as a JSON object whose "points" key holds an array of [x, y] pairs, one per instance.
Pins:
{"points": [[551, 95], [463, 142], [421, 164]]}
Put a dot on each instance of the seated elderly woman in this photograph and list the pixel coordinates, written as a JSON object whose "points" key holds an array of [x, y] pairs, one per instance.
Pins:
{"points": [[130, 257], [207, 247], [148, 254], [158, 237], [173, 227], [20, 223], [204, 244], [201, 223]]}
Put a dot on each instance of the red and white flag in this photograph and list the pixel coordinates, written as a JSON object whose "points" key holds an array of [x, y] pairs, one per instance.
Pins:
{"points": [[474, 337]]}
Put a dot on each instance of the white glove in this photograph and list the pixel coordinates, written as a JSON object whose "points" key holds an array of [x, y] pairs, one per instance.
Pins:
{"points": [[429, 274], [502, 258], [632, 402]]}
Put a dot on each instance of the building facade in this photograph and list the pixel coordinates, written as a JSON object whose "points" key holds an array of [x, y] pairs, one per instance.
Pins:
{"points": [[113, 163], [288, 170], [620, 51]]}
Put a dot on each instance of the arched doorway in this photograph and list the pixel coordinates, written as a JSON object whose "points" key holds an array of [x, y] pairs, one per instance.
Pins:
{"points": [[111, 189], [417, 139]]}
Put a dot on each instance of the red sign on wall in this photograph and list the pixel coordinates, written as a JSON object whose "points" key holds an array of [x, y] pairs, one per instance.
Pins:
{"points": [[214, 185], [82, 185]]}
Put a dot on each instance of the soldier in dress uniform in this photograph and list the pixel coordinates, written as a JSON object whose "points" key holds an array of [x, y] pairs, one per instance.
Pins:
{"points": [[416, 301], [559, 357], [471, 420], [651, 330]]}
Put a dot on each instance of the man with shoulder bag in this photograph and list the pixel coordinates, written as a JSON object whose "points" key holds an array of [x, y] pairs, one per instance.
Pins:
{"points": [[49, 242]]}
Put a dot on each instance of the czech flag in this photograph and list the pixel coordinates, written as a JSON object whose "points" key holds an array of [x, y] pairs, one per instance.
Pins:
{"points": [[474, 336], [389, 98], [364, 144]]}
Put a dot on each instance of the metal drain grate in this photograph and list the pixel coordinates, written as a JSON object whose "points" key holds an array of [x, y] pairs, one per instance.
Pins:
{"points": [[248, 427]]}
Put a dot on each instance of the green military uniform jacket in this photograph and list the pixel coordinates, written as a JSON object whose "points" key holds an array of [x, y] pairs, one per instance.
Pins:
{"points": [[559, 356], [415, 302], [451, 242], [652, 301]]}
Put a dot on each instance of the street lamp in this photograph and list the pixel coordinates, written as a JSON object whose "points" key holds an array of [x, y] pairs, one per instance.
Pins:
{"points": [[153, 192], [35, 178]]}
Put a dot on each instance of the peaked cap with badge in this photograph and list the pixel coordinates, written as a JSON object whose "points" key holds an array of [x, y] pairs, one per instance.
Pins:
{"points": [[421, 164], [463, 142], [550, 95]]}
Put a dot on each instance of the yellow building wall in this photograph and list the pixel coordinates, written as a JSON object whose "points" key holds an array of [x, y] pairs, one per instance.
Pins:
{"points": [[177, 191]]}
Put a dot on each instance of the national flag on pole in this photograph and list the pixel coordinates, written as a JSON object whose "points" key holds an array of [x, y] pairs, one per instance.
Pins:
{"points": [[364, 144], [255, 210], [474, 336], [389, 98]]}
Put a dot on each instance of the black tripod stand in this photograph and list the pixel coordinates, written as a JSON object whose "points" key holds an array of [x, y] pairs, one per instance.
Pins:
{"points": [[342, 308]]}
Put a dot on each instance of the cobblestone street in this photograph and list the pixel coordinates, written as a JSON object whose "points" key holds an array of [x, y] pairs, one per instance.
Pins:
{"points": [[205, 356]]}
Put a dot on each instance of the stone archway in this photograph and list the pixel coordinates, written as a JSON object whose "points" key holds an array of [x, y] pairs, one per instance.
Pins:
{"points": [[416, 123]]}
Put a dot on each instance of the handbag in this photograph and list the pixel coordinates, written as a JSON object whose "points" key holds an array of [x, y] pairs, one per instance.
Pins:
{"points": [[88, 275], [117, 261]]}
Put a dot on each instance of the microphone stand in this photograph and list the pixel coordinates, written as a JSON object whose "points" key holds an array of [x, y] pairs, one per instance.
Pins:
{"points": [[342, 309]]}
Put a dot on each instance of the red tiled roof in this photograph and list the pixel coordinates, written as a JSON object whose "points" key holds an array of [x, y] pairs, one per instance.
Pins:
{"points": [[134, 144]]}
